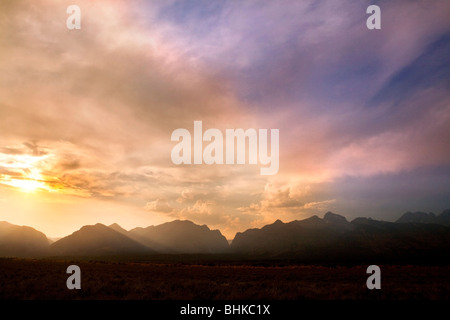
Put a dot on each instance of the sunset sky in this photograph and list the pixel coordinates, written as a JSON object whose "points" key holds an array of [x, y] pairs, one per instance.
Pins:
{"points": [[86, 116]]}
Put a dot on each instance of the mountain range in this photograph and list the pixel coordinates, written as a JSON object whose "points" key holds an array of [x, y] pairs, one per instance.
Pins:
{"points": [[415, 235], [422, 217], [333, 238]]}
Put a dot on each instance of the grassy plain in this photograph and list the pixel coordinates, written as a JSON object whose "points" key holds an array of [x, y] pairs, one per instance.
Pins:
{"points": [[206, 280]]}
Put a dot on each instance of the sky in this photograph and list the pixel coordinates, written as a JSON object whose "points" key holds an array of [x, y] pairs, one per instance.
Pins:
{"points": [[86, 115]]}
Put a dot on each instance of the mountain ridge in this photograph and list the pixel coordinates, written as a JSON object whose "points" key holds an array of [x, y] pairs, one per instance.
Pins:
{"points": [[297, 238], [333, 238], [97, 239], [182, 236], [421, 217], [21, 241]]}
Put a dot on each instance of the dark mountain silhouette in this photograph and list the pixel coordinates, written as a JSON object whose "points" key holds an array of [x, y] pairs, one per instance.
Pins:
{"points": [[419, 241], [297, 236], [181, 237], [416, 236], [333, 238], [444, 217], [422, 217], [97, 240], [336, 220], [417, 217], [21, 241]]}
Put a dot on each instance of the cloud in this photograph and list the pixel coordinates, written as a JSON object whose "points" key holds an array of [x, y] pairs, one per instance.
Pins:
{"points": [[200, 207], [321, 70], [319, 205], [92, 111], [159, 205], [103, 100], [286, 200]]}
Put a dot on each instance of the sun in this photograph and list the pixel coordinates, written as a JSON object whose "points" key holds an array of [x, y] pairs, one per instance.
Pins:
{"points": [[26, 185], [29, 182], [33, 174], [23, 173]]}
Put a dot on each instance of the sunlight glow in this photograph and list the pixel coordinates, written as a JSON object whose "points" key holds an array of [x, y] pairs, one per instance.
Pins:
{"points": [[25, 185], [33, 173], [31, 181], [23, 172]]}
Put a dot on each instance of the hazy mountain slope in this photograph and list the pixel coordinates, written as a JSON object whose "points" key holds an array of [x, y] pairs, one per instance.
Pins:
{"points": [[97, 240], [181, 237], [417, 217], [118, 228], [422, 217], [21, 241]]}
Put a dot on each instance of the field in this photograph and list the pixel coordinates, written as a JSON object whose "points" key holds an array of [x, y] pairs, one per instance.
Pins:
{"points": [[170, 280]]}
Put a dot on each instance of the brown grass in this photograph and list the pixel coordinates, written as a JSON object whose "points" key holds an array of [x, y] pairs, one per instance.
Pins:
{"points": [[46, 279]]}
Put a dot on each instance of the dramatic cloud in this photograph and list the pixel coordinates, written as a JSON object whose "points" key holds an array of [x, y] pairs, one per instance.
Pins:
{"points": [[87, 115]]}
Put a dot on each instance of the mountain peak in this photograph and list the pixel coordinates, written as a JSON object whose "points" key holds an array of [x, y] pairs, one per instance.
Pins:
{"points": [[313, 221], [97, 225], [114, 225], [181, 236], [417, 217], [334, 218], [97, 239], [118, 228]]}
